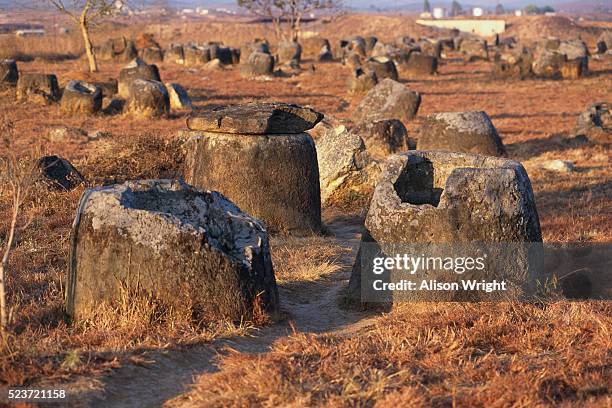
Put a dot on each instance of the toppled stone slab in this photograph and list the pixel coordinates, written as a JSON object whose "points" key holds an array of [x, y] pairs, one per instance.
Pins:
{"points": [[255, 118], [388, 100], [188, 250], [80, 97], [435, 197], [347, 171], [58, 173], [468, 132], [560, 166]]}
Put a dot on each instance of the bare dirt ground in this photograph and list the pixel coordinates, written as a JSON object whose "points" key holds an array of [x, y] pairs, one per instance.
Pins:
{"points": [[319, 354]]}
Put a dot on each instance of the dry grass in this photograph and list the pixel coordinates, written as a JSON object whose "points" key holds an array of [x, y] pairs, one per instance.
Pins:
{"points": [[42, 341], [469, 355], [47, 48], [431, 355]]}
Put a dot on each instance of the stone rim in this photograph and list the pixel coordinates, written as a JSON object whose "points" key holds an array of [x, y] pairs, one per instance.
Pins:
{"points": [[255, 119]]}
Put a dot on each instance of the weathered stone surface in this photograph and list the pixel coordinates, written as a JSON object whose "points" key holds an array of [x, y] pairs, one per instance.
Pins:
{"points": [[361, 82], [65, 134], [370, 42], [474, 49], [137, 69], [109, 87], [273, 177], [596, 123], [325, 55], [604, 42], [189, 250], [572, 69], [420, 64], [9, 74], [560, 166], [174, 54], [383, 67], [151, 54], [549, 44], [80, 97], [352, 60], [289, 51], [312, 46], [255, 118], [388, 100], [214, 65], [468, 132], [573, 49], [434, 197], [147, 99], [351, 45], [383, 137], [38, 88], [547, 64], [195, 55], [514, 64], [59, 173], [179, 99], [257, 63], [346, 170], [432, 48], [117, 49], [256, 46]]}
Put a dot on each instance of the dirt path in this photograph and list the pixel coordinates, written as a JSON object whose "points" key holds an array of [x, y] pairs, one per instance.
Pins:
{"points": [[168, 373]]}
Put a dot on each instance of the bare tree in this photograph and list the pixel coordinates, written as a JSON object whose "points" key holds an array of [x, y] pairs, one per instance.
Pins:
{"points": [[18, 173], [84, 13], [288, 12]]}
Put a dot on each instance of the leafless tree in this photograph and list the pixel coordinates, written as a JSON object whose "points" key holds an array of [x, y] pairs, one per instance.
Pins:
{"points": [[289, 13], [18, 172], [84, 13]]}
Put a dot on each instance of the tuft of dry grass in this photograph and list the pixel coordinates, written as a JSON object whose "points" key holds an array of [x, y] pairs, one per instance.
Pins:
{"points": [[48, 48], [431, 355]]}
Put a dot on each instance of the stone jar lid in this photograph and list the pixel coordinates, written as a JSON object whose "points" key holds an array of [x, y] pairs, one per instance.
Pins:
{"points": [[255, 119]]}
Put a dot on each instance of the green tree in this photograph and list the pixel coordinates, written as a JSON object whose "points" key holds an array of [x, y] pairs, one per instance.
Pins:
{"points": [[426, 7]]}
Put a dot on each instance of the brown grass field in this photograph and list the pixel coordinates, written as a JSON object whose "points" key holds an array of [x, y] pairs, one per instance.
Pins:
{"points": [[553, 353]]}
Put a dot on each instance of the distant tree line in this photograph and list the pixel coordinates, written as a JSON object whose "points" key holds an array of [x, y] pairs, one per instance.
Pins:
{"points": [[533, 9]]}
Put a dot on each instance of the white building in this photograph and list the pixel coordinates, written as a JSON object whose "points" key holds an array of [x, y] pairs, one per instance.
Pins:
{"points": [[30, 33], [518, 13], [477, 12], [438, 12]]}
